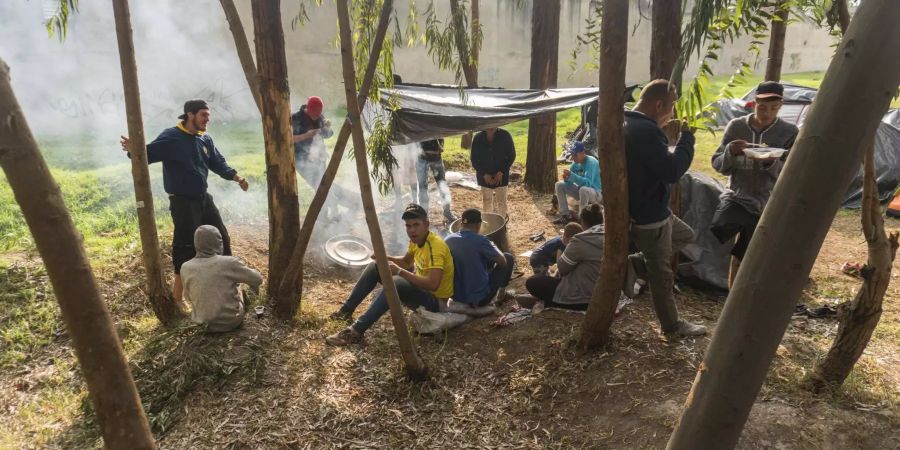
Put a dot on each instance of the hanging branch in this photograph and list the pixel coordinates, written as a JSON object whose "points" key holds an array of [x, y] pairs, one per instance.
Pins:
{"points": [[58, 23]]}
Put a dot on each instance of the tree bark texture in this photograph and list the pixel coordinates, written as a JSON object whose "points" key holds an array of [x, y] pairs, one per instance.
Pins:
{"points": [[851, 102], [665, 44], [610, 117], [776, 43], [415, 367], [284, 206], [242, 45], [292, 284], [167, 310], [468, 56], [120, 416], [859, 317], [540, 162]]}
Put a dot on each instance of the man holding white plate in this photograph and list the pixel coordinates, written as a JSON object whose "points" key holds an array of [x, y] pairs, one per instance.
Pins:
{"points": [[752, 154]]}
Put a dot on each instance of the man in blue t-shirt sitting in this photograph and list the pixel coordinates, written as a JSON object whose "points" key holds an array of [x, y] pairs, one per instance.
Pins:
{"points": [[581, 181], [482, 270]]}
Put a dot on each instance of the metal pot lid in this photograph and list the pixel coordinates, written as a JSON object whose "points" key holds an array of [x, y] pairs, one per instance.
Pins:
{"points": [[348, 250]]}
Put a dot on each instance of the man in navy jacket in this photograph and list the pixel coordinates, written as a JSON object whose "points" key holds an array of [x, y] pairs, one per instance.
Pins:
{"points": [[188, 153], [652, 169]]}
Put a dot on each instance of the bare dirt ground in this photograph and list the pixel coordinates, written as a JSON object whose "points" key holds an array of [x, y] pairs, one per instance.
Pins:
{"points": [[522, 386]]}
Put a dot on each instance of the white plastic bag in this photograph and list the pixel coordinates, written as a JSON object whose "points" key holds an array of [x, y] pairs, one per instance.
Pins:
{"points": [[427, 322]]}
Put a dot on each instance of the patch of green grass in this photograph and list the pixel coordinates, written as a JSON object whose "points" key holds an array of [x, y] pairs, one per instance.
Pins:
{"points": [[28, 313]]}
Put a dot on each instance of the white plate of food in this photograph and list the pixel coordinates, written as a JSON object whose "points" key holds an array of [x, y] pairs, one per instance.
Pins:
{"points": [[764, 152]]}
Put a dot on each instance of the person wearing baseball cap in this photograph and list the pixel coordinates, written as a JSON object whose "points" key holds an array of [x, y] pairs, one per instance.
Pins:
{"points": [[482, 271], [424, 278], [751, 178], [187, 153], [581, 181], [308, 123]]}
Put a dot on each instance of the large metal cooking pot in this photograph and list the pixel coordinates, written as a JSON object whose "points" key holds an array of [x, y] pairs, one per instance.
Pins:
{"points": [[493, 226]]}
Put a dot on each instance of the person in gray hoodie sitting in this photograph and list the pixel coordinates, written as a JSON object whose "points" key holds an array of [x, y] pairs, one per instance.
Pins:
{"points": [[750, 178], [211, 283], [578, 268]]}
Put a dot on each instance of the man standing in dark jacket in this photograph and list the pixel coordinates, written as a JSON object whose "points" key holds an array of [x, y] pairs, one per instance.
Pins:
{"points": [[652, 169], [493, 153], [188, 153]]}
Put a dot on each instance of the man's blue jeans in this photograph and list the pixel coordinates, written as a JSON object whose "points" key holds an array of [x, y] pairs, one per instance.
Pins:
{"points": [[499, 279], [437, 169], [410, 296]]}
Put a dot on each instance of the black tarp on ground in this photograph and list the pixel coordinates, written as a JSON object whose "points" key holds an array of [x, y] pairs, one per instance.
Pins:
{"points": [[704, 262], [433, 111], [797, 102]]}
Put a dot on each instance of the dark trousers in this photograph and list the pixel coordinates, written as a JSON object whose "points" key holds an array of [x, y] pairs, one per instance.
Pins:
{"points": [[498, 279], [188, 214], [410, 296], [543, 287], [733, 219]]}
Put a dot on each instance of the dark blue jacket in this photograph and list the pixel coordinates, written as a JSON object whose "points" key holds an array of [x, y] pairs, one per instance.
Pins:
{"points": [[651, 168], [301, 123], [187, 160], [545, 255], [492, 157]]}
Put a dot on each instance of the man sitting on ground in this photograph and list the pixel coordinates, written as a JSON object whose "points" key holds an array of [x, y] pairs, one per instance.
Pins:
{"points": [[482, 271], [211, 283], [424, 278], [545, 256], [580, 181]]}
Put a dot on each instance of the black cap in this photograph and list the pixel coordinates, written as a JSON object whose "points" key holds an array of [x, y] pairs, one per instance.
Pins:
{"points": [[769, 89], [192, 106], [414, 211], [471, 215]]}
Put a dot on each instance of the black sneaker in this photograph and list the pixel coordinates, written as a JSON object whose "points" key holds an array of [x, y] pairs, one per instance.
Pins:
{"points": [[344, 337], [341, 316], [563, 219]]}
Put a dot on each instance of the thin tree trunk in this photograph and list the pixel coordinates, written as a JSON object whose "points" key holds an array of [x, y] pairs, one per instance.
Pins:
{"points": [[117, 405], [776, 43], [167, 310], [842, 14], [665, 44], [610, 117], [284, 207], [825, 157], [860, 317], [242, 45], [665, 47], [292, 284], [540, 163], [415, 367], [468, 57]]}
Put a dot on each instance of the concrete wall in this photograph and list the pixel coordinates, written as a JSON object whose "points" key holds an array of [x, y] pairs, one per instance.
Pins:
{"points": [[185, 50]]}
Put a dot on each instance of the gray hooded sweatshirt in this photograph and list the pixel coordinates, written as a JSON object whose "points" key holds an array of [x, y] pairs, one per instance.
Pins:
{"points": [[211, 283], [750, 182], [579, 266]]}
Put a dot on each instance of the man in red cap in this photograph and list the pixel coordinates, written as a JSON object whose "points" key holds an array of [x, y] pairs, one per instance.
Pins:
{"points": [[309, 127]]}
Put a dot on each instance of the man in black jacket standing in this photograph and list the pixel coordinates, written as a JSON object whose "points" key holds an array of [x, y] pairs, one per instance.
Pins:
{"points": [[188, 153], [652, 169], [493, 153]]}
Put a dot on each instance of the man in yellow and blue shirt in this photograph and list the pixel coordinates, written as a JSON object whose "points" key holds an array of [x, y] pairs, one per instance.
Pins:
{"points": [[424, 278]]}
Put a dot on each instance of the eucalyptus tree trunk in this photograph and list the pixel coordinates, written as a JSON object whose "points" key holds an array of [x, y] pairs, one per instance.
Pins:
{"points": [[859, 317], [284, 206], [415, 367], [115, 399], [850, 104], [610, 117], [776, 42], [164, 305], [243, 49], [665, 41], [468, 55], [540, 163], [292, 283]]}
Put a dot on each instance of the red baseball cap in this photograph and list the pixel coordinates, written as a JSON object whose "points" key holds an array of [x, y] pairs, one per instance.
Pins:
{"points": [[314, 106]]}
